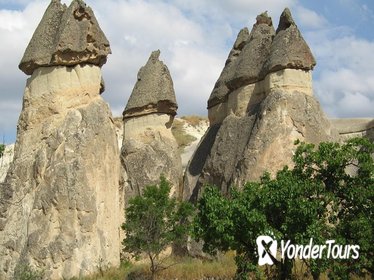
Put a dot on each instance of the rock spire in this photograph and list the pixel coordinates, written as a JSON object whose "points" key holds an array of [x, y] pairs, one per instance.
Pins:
{"points": [[60, 202], [149, 149], [262, 102]]}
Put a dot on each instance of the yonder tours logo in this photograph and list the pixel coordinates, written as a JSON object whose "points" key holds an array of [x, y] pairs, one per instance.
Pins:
{"points": [[267, 249]]}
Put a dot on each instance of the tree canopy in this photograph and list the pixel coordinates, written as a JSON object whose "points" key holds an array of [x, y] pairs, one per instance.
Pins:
{"points": [[327, 195], [155, 221]]}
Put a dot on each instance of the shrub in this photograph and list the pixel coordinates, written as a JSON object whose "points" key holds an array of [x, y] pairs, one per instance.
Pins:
{"points": [[155, 221]]}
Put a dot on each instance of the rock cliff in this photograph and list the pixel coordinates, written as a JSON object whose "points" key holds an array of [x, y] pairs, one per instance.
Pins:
{"points": [[149, 148], [59, 203], [268, 104]]}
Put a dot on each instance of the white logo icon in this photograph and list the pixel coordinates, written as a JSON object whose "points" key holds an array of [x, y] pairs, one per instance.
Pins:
{"points": [[265, 246]]}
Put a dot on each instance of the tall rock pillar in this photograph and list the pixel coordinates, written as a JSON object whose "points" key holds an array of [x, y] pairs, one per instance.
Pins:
{"points": [[59, 204], [262, 102], [149, 149]]}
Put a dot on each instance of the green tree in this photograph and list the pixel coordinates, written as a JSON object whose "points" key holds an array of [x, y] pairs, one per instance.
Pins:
{"points": [[327, 195], [2, 149], [155, 221]]}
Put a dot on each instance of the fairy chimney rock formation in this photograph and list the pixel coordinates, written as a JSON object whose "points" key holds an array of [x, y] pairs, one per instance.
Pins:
{"points": [[267, 104], [149, 149], [59, 203]]}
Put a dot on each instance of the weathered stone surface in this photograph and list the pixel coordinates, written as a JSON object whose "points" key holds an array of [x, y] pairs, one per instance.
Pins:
{"points": [[220, 90], [254, 54], [149, 148], [244, 147], [289, 49], [268, 105], [153, 91], [66, 36], [59, 204]]}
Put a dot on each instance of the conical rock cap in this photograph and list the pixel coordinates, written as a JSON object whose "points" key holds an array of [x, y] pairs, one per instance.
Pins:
{"points": [[153, 91], [66, 37]]}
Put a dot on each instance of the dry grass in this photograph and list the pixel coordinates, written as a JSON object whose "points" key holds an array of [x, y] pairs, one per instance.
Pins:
{"points": [[188, 268], [184, 268], [110, 274]]}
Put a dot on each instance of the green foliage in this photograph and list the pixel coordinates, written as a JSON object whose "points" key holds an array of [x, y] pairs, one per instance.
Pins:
{"points": [[155, 221], [26, 272], [2, 149], [327, 195]]}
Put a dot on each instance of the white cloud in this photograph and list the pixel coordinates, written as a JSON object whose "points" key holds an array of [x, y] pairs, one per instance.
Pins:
{"points": [[346, 79], [309, 19]]}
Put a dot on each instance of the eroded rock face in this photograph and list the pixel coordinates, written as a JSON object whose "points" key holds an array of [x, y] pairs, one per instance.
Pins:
{"points": [[60, 202], [220, 90], [149, 148], [269, 104], [254, 54], [264, 141], [66, 36]]}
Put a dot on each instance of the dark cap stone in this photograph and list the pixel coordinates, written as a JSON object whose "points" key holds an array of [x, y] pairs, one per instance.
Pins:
{"points": [[153, 91], [289, 49], [66, 37]]}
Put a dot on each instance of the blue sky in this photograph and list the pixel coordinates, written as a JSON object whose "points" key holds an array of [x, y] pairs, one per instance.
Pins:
{"points": [[195, 37]]}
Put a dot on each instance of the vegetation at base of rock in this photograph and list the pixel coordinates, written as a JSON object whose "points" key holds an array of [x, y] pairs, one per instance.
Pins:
{"points": [[25, 272], [328, 195], [2, 149], [154, 221], [183, 139], [186, 268]]}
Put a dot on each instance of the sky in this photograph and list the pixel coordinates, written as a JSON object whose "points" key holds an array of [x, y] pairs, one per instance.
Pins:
{"points": [[195, 37]]}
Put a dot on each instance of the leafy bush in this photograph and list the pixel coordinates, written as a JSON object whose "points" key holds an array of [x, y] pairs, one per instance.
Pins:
{"points": [[327, 195], [155, 221]]}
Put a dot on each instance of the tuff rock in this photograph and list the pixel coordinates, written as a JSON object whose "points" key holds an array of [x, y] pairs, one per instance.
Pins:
{"points": [[149, 148], [66, 36], [220, 90], [60, 202], [289, 49], [254, 54], [268, 105], [153, 91]]}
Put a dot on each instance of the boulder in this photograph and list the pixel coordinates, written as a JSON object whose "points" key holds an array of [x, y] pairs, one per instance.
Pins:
{"points": [[60, 202]]}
